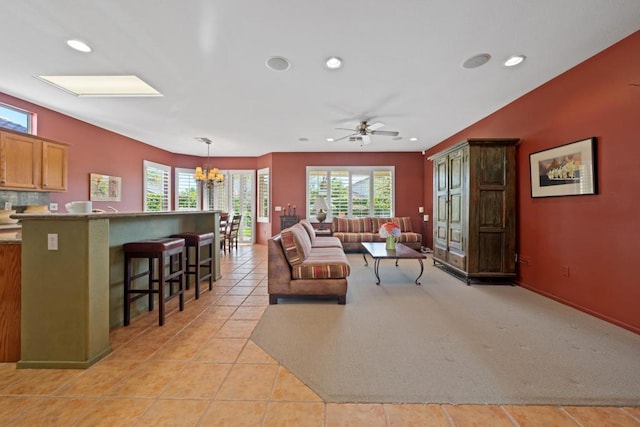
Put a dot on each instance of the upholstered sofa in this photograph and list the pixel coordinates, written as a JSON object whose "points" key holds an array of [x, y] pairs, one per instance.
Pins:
{"points": [[352, 231], [300, 264]]}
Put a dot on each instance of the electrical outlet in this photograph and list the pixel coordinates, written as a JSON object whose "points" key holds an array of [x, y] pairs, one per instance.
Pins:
{"points": [[421, 209], [53, 207], [278, 208], [565, 270], [425, 218], [52, 242]]}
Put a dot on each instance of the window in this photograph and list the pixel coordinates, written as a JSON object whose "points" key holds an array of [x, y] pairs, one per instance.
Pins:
{"points": [[353, 191], [16, 119], [157, 187], [216, 196], [187, 195], [263, 195]]}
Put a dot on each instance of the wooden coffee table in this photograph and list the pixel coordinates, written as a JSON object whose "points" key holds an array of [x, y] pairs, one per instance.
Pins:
{"points": [[378, 251]]}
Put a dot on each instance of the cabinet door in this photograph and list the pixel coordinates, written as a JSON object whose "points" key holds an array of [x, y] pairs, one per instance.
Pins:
{"points": [[19, 161], [54, 166], [457, 204], [441, 208]]}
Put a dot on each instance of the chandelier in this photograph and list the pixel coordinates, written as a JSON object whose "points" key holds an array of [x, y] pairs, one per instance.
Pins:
{"points": [[207, 175]]}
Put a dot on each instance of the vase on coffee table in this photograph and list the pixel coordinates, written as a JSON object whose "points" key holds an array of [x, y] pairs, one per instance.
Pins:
{"points": [[391, 243]]}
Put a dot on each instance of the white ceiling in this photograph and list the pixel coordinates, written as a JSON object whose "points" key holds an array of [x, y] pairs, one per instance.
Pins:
{"points": [[402, 64]]}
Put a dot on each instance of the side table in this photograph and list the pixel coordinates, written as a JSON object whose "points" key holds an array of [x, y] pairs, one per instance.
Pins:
{"points": [[287, 221], [323, 232]]}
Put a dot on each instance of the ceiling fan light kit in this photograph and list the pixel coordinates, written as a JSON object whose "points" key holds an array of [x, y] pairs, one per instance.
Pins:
{"points": [[363, 131]]}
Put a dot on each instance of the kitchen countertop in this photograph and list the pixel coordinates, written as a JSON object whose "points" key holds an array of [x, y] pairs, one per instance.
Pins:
{"points": [[57, 216], [10, 233]]}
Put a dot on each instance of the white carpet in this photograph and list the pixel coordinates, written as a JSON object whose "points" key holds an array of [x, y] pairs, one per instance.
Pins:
{"points": [[445, 342]]}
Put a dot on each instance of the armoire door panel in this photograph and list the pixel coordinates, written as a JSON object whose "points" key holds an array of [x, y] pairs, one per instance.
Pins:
{"points": [[456, 172], [490, 253], [442, 208], [491, 165], [441, 177], [455, 212], [491, 209], [455, 238]]}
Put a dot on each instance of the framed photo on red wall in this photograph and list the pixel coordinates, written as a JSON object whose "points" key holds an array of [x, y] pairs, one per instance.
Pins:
{"points": [[105, 188], [566, 170]]}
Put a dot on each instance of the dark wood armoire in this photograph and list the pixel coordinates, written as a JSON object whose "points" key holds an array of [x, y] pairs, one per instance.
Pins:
{"points": [[474, 210]]}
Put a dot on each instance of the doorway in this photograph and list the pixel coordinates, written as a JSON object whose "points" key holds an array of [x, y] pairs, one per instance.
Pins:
{"points": [[236, 195]]}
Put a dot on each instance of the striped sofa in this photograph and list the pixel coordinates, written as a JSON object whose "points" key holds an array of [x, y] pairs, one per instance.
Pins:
{"points": [[352, 231], [303, 265]]}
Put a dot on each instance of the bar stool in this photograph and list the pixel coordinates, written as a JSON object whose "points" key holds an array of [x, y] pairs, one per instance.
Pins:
{"points": [[154, 249], [194, 264]]}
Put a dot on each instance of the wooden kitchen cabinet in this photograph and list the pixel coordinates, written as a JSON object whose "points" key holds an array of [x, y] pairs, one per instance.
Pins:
{"points": [[54, 166], [20, 162], [10, 274], [31, 163]]}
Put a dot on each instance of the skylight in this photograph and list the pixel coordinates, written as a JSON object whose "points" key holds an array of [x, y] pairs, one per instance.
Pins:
{"points": [[102, 86]]}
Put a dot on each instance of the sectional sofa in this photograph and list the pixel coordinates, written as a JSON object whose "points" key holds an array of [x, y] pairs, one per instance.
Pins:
{"points": [[352, 231], [300, 264]]}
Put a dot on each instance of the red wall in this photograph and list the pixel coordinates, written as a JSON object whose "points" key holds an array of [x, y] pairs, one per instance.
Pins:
{"points": [[596, 236], [289, 179]]}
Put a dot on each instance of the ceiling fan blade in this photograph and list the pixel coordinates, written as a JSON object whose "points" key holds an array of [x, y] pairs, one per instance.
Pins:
{"points": [[350, 130], [385, 133], [344, 137], [375, 126]]}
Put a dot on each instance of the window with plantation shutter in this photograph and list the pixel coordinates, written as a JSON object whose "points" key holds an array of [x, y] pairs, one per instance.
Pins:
{"points": [[157, 187], [383, 193], [217, 196], [356, 191], [187, 196], [263, 195]]}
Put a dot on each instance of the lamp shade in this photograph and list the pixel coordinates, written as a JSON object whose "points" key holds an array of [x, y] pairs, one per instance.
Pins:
{"points": [[321, 204]]}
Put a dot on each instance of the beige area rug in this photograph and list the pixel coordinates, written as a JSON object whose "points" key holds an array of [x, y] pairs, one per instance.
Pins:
{"points": [[445, 342]]}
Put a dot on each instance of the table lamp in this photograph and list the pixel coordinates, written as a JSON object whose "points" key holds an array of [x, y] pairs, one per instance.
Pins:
{"points": [[321, 210]]}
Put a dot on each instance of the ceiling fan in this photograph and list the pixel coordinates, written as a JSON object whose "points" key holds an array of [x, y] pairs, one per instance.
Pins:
{"points": [[363, 131]]}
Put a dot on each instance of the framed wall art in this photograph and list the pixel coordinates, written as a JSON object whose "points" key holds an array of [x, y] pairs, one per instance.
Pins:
{"points": [[105, 188], [566, 170]]}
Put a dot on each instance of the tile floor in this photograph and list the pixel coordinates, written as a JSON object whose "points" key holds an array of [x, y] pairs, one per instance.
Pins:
{"points": [[201, 369]]}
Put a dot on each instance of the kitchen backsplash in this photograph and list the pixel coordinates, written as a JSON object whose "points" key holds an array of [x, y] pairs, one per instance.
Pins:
{"points": [[20, 199]]}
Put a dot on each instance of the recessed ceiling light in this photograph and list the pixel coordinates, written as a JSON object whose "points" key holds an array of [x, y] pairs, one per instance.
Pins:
{"points": [[79, 46], [278, 63], [413, 139], [334, 63], [476, 61], [114, 86], [514, 60], [330, 139]]}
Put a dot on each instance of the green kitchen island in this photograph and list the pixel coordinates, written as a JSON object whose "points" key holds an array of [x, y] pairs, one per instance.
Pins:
{"points": [[73, 278]]}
